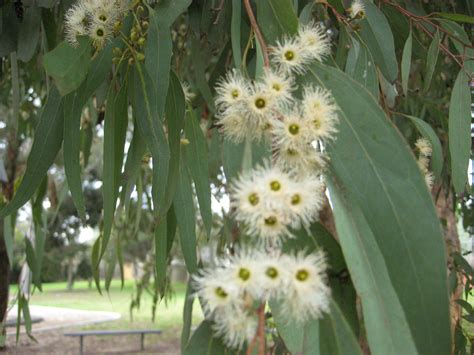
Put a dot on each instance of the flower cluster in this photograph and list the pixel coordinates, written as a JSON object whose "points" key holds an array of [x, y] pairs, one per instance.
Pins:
{"points": [[270, 202], [267, 107], [424, 148], [98, 19], [357, 10], [230, 290]]}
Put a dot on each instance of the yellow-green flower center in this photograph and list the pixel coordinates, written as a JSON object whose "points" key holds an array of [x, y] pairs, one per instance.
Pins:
{"points": [[275, 185], [302, 275], [289, 55], [260, 103], [220, 292], [235, 93], [271, 272], [270, 221], [294, 129], [276, 87], [291, 152], [100, 32], [103, 18], [317, 123], [244, 274], [253, 199], [295, 199]]}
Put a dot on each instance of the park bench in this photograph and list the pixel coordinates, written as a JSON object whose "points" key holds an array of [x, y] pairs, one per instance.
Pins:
{"points": [[85, 333]]}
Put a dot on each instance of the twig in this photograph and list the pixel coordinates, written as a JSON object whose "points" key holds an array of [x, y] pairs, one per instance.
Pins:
{"points": [[260, 334], [258, 34], [261, 329]]}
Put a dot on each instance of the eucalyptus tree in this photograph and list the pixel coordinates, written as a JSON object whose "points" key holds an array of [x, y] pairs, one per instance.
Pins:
{"points": [[340, 131]]}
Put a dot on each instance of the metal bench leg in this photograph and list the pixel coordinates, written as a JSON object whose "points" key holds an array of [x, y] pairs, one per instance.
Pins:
{"points": [[142, 341], [81, 344]]}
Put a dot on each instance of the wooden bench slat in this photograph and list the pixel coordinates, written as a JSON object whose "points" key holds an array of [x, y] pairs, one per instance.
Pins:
{"points": [[111, 332]]}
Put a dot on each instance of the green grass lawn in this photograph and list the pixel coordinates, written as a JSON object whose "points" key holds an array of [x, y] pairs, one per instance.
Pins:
{"points": [[168, 313]]}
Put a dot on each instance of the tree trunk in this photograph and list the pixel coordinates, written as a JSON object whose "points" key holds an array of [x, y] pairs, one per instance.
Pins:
{"points": [[444, 206], [4, 284], [70, 273]]}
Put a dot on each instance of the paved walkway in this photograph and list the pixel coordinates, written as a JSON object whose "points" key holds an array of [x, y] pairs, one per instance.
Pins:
{"points": [[55, 318]]}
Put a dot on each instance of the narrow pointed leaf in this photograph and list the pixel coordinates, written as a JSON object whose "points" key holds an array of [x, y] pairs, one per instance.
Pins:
{"points": [[361, 66], [115, 129], [161, 254], [460, 131], [46, 144], [235, 32], [387, 328], [374, 164], [376, 33], [73, 105], [336, 336], [151, 129], [406, 62], [431, 59], [175, 109], [197, 159], [186, 218], [158, 54]]}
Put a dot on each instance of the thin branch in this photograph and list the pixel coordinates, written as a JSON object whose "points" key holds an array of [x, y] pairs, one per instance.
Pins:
{"points": [[258, 34], [260, 334]]}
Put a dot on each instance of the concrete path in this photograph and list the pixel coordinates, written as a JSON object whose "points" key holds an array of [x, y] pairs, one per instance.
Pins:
{"points": [[55, 318]]}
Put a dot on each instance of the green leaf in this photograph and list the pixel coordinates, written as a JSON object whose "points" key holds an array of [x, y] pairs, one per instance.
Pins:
{"points": [[431, 59], [115, 129], [73, 106], [161, 255], [232, 158], [376, 33], [95, 259], [406, 62], [197, 159], [360, 66], [30, 256], [150, 126], [336, 336], [276, 18], [299, 339], [456, 17], [461, 42], [387, 328], [200, 64], [427, 131], [175, 110], [187, 315], [235, 32], [29, 34], [186, 218], [460, 131], [203, 342], [373, 163], [159, 49], [46, 144], [306, 15], [68, 65], [167, 11], [132, 166]]}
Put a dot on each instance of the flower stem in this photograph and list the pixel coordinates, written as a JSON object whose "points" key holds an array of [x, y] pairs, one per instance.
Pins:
{"points": [[258, 34]]}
